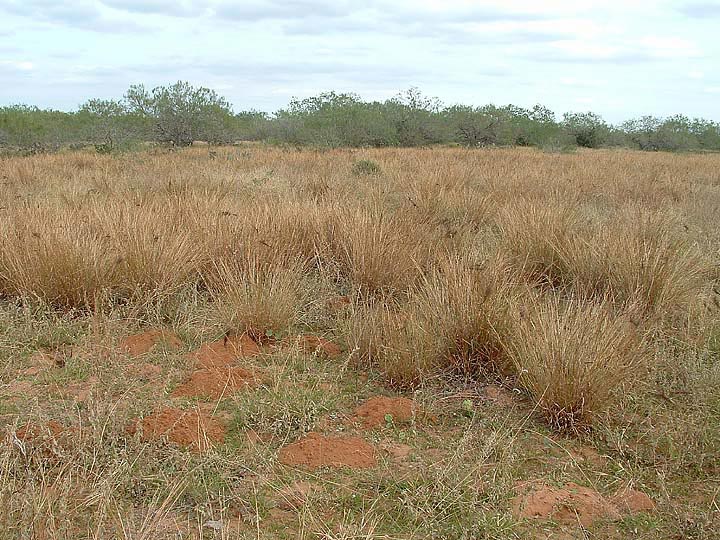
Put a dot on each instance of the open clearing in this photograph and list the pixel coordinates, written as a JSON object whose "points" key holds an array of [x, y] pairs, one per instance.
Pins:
{"points": [[262, 342]]}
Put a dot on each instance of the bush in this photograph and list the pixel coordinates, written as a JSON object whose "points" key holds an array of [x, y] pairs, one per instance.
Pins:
{"points": [[181, 113], [366, 167]]}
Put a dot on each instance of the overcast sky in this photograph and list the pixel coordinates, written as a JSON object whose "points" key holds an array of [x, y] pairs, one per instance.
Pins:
{"points": [[619, 58]]}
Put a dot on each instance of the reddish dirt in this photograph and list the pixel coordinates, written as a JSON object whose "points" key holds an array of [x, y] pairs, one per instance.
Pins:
{"points": [[216, 383], [373, 412], [225, 352], [338, 303], [316, 450], [143, 343], [499, 395], [317, 345], [32, 432], [194, 429], [570, 504], [631, 501]]}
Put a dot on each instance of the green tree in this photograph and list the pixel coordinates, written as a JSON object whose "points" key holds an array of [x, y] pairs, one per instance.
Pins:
{"points": [[182, 113], [587, 129], [109, 124]]}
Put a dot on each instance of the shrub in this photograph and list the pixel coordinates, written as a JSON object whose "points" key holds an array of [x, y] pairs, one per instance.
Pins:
{"points": [[366, 167]]}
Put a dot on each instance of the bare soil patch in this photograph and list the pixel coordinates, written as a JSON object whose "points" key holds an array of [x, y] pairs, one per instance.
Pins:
{"points": [[194, 429], [317, 345], [225, 352], [377, 410], [216, 383], [316, 450], [567, 505], [144, 342], [632, 501], [573, 504]]}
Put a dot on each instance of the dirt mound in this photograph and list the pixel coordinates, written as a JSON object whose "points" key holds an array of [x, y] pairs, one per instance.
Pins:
{"points": [[52, 431], [570, 504], [374, 412], [316, 450], [143, 343], [317, 345], [216, 383], [631, 501], [224, 352], [574, 504], [194, 429]]}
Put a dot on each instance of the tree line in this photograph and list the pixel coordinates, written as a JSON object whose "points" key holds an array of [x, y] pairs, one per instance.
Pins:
{"points": [[179, 114]]}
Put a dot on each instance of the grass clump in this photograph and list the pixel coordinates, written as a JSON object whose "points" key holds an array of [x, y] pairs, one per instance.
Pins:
{"points": [[54, 257], [262, 301], [573, 357]]}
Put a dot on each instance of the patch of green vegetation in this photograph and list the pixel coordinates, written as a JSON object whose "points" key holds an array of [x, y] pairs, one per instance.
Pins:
{"points": [[366, 167]]}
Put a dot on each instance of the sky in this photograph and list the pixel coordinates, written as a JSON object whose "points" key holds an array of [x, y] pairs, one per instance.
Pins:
{"points": [[620, 59]]}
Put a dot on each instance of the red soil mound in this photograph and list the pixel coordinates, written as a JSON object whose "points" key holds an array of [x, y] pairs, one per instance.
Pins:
{"points": [[215, 383], [573, 503], [315, 451], [194, 429], [143, 343], [568, 505], [374, 411], [317, 345], [34, 432], [225, 352], [632, 501]]}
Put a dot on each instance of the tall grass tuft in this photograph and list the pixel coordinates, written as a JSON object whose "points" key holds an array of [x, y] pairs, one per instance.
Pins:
{"points": [[51, 255], [541, 240], [260, 300], [573, 357]]}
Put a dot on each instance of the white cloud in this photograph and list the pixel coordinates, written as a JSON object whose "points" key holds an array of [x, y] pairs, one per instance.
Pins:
{"points": [[20, 66]]}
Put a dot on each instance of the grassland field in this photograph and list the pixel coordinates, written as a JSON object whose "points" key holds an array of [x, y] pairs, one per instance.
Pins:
{"points": [[436, 343]]}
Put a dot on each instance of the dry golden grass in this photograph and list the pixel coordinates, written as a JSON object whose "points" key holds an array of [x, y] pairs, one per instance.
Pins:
{"points": [[432, 248], [572, 357], [586, 282], [262, 301]]}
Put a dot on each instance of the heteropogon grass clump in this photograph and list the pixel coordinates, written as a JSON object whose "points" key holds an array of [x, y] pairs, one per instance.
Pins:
{"points": [[541, 240], [453, 320], [365, 327], [378, 252], [573, 356], [55, 256], [641, 265], [157, 248], [262, 301]]}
